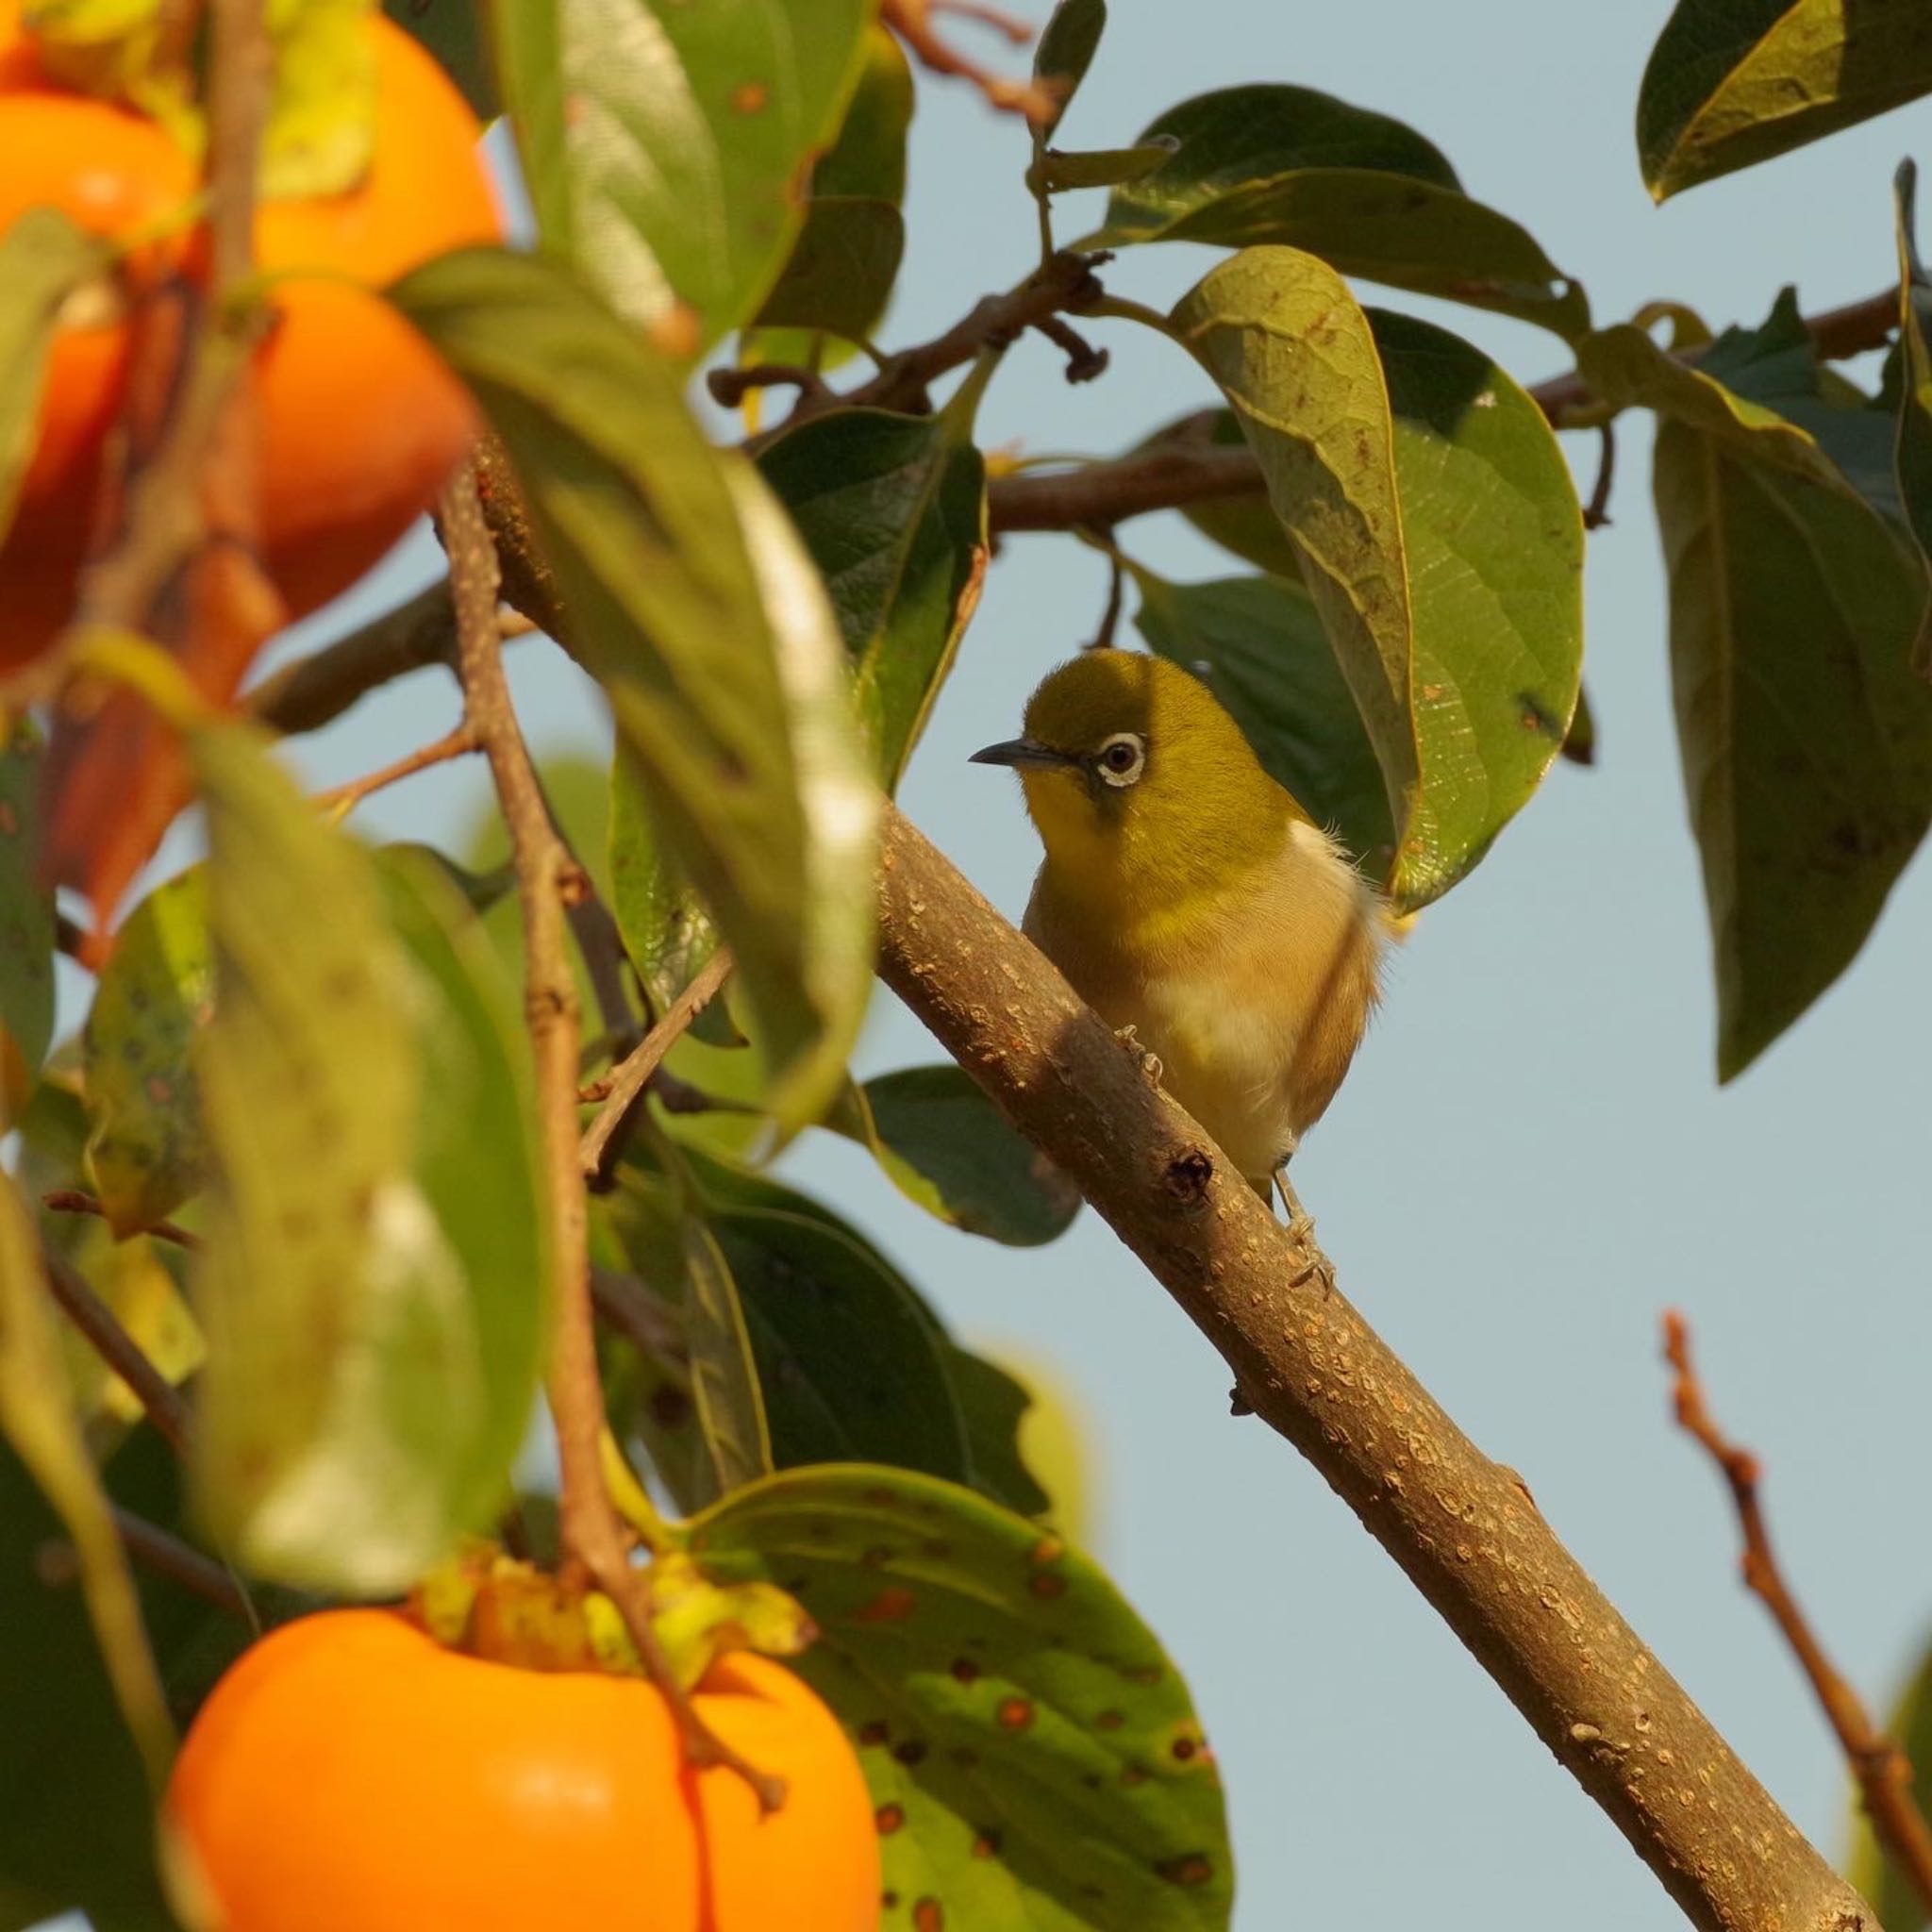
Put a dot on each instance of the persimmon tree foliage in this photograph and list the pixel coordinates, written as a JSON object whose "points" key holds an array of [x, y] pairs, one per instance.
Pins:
{"points": [[358, 1153]]}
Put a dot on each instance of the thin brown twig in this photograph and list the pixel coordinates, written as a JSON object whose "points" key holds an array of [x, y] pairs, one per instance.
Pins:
{"points": [[1596, 512], [1016, 30], [100, 1328], [1882, 1772], [72, 1201], [912, 19], [729, 387], [632, 1074], [342, 799], [318, 689], [156, 1550], [590, 1530]]}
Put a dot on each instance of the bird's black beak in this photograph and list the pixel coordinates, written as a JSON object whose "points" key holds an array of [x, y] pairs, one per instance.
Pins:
{"points": [[1021, 751]]}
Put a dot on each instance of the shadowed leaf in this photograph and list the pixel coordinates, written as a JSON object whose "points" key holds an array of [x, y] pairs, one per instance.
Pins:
{"points": [[1065, 51], [948, 1149], [892, 509], [453, 31], [1912, 440], [1807, 739], [1272, 164]]}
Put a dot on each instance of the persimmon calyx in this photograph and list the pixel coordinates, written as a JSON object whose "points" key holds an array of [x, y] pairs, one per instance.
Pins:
{"points": [[490, 1604]]}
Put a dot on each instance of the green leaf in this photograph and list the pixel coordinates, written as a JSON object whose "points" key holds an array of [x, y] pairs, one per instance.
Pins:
{"points": [[44, 258], [948, 1149], [1733, 82], [146, 1150], [869, 157], [1296, 359], [1032, 1751], [1493, 540], [1274, 164], [666, 931], [1900, 1905], [1721, 394], [678, 1256], [994, 1407], [842, 268], [478, 1158], [1913, 440], [37, 1420], [26, 925], [892, 509], [1459, 633], [1058, 171], [866, 162], [663, 142], [692, 604], [452, 30], [1067, 46], [1806, 740], [358, 1083], [1259, 645]]}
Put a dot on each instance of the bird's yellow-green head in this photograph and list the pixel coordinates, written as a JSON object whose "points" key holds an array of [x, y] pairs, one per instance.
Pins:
{"points": [[1137, 777]]}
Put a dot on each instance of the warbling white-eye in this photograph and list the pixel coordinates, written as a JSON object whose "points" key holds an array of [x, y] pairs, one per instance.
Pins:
{"points": [[1189, 897]]}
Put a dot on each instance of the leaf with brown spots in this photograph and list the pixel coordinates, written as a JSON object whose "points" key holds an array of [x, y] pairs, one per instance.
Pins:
{"points": [[1033, 1756], [146, 1150]]}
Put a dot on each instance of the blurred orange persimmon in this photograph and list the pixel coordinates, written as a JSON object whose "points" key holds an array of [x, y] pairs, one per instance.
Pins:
{"points": [[350, 1772], [358, 422]]}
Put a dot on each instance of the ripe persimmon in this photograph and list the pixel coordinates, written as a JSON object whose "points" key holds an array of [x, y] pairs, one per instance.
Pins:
{"points": [[351, 1772], [358, 422]]}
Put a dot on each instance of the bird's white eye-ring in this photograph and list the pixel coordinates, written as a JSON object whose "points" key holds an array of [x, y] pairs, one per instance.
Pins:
{"points": [[1123, 758]]}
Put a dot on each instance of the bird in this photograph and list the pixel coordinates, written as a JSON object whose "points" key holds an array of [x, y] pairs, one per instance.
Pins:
{"points": [[1195, 904]]}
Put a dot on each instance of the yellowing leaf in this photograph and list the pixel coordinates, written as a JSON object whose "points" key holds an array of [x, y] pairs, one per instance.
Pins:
{"points": [[1734, 82]]}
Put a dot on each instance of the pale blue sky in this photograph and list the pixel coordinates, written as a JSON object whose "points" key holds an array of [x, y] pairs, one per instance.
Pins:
{"points": [[1532, 1158]]}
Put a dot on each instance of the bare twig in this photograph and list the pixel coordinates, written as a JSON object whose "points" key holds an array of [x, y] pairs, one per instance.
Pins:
{"points": [[632, 1074], [1461, 1526], [651, 1325], [317, 690], [1110, 615], [912, 19], [1882, 1772], [729, 387], [1085, 364], [343, 799], [592, 1533], [1596, 512], [72, 1201], [101, 1328], [153, 1549]]}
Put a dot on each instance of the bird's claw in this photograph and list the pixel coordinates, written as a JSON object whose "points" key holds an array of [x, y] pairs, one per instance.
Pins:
{"points": [[1151, 1069]]}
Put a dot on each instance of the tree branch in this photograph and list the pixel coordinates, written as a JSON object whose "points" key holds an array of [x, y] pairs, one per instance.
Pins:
{"points": [[1883, 1771], [1463, 1529], [156, 1550], [101, 1328], [317, 690], [1179, 472], [590, 1527], [632, 1074], [72, 1201]]}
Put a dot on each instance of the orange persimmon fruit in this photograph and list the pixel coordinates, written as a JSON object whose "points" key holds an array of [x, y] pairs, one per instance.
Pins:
{"points": [[349, 1771], [358, 422]]}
